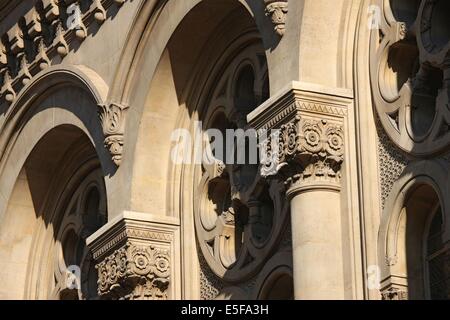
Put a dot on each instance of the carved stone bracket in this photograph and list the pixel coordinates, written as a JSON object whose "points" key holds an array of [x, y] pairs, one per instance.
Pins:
{"points": [[305, 151], [113, 117], [277, 11], [135, 258], [302, 136]]}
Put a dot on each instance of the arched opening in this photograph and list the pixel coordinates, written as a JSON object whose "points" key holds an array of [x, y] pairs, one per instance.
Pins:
{"points": [[416, 252], [58, 200], [211, 74], [419, 206]]}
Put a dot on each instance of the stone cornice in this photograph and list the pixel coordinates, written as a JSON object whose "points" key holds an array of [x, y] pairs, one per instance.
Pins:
{"points": [[41, 38], [131, 226], [300, 97]]}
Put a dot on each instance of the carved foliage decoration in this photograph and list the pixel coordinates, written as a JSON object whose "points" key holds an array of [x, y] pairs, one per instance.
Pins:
{"points": [[394, 293], [135, 272], [277, 11], [306, 150], [113, 118], [410, 68]]}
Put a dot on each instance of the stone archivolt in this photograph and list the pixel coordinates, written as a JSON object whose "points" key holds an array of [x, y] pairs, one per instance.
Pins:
{"points": [[135, 272]]}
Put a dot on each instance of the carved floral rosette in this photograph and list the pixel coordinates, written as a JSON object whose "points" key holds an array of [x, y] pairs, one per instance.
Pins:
{"points": [[304, 151], [135, 272], [113, 118]]}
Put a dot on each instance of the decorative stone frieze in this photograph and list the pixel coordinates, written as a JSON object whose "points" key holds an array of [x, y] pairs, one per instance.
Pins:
{"points": [[43, 37], [136, 257], [277, 11], [302, 135], [113, 118]]}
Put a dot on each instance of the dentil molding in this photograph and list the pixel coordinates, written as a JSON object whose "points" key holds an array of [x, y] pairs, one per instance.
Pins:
{"points": [[41, 38]]}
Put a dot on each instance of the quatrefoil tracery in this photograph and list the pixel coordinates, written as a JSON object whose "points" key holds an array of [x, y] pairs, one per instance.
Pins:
{"points": [[238, 215], [410, 74]]}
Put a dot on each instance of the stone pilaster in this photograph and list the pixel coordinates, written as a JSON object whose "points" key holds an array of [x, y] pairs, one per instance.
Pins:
{"points": [[136, 258], [303, 141]]}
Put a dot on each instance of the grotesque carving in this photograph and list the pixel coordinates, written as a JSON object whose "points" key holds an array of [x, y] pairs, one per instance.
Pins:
{"points": [[113, 123], [277, 11]]}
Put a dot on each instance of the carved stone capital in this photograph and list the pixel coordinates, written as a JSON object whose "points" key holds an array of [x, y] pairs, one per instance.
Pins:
{"points": [[394, 287], [135, 273], [135, 258], [394, 293], [277, 11], [302, 135], [306, 151], [113, 117]]}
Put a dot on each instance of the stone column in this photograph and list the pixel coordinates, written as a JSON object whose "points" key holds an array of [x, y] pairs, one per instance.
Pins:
{"points": [[136, 257], [304, 145]]}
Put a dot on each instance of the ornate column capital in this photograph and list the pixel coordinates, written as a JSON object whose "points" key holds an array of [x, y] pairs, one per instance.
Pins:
{"points": [[135, 258], [135, 272], [113, 118], [302, 136]]}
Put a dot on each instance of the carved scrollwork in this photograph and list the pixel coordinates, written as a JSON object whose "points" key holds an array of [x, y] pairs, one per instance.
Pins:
{"points": [[277, 11], [135, 273], [305, 151], [113, 118]]}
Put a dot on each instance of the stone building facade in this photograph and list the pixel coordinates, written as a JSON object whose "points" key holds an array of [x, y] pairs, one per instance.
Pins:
{"points": [[349, 200]]}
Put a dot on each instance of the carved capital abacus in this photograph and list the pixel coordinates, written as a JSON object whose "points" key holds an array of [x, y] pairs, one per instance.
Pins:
{"points": [[302, 138], [135, 258], [113, 117], [277, 11]]}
